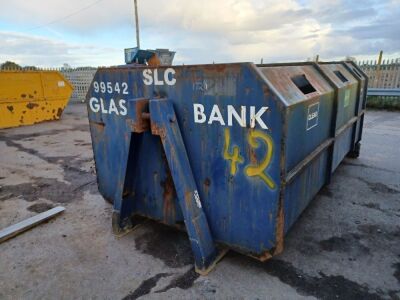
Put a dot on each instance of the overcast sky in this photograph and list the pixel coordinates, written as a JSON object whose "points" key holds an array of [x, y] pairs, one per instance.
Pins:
{"points": [[90, 32]]}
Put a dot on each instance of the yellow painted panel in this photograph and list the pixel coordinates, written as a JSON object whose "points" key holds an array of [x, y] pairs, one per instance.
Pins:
{"points": [[29, 97]]}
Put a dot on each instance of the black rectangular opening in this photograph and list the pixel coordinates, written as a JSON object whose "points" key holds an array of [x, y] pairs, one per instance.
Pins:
{"points": [[340, 76], [303, 84]]}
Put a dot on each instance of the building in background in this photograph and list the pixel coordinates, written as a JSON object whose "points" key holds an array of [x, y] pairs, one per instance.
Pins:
{"points": [[80, 78]]}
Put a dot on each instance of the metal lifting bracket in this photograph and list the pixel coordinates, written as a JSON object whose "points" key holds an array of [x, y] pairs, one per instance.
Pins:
{"points": [[158, 116]]}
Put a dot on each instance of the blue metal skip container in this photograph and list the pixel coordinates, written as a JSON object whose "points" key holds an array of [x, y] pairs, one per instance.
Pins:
{"points": [[232, 153]]}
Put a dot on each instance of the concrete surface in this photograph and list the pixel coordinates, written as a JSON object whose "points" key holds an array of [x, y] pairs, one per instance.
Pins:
{"points": [[346, 245]]}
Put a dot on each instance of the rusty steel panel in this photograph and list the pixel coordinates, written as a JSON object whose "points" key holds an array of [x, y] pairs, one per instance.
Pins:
{"points": [[234, 152], [29, 97]]}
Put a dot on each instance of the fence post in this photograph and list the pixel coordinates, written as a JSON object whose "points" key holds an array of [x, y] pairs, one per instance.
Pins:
{"points": [[378, 69]]}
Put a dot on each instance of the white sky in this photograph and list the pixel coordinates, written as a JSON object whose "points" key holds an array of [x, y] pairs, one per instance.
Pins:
{"points": [[90, 32]]}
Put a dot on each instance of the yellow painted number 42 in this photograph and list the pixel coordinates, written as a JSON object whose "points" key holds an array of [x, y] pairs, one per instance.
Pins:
{"points": [[250, 170]]}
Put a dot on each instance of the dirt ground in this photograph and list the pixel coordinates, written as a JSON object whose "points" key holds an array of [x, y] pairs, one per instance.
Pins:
{"points": [[346, 245]]}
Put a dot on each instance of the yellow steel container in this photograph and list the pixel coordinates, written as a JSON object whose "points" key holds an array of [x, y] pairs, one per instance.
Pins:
{"points": [[29, 97]]}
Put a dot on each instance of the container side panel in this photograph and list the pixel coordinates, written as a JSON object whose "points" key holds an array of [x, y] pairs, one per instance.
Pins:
{"points": [[343, 144], [303, 189], [309, 125], [347, 101]]}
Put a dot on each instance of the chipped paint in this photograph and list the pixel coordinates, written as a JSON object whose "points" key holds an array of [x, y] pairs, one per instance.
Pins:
{"points": [[29, 97]]}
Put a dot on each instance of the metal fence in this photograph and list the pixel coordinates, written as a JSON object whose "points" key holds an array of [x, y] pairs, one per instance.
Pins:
{"points": [[383, 76], [80, 78]]}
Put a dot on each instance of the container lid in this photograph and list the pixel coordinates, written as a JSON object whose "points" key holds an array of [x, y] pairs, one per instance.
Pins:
{"points": [[338, 73], [296, 83]]}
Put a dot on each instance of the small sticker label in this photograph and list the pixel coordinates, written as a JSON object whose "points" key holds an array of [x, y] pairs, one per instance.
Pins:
{"points": [[312, 116], [346, 98], [197, 198], [200, 86], [61, 83]]}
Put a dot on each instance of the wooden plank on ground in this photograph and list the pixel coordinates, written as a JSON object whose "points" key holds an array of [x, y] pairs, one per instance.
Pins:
{"points": [[20, 227]]}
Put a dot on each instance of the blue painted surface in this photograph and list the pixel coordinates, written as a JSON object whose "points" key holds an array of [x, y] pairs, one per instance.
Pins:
{"points": [[303, 188], [300, 141], [137, 170], [343, 144]]}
